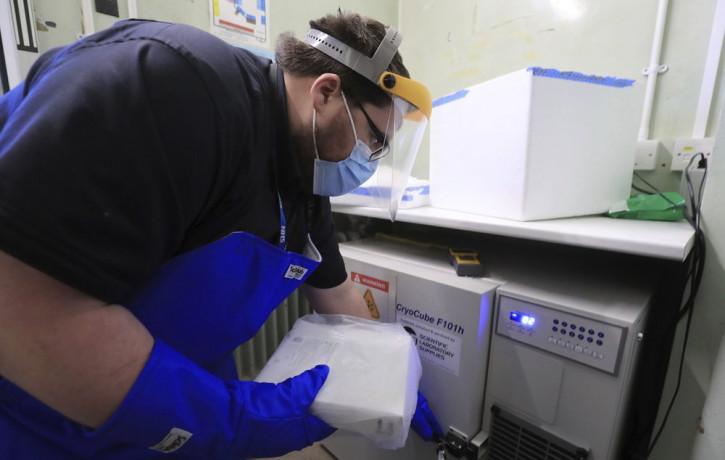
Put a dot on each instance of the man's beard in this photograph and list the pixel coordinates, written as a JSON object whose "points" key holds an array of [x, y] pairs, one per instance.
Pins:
{"points": [[304, 149]]}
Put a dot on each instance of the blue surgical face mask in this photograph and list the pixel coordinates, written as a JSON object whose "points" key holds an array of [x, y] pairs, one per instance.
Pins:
{"points": [[338, 178]]}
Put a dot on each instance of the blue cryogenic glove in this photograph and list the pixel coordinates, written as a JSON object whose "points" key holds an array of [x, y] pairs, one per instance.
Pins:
{"points": [[424, 422], [176, 406], [276, 420]]}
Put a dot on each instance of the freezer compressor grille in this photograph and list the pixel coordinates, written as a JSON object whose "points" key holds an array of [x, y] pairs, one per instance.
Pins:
{"points": [[512, 438]]}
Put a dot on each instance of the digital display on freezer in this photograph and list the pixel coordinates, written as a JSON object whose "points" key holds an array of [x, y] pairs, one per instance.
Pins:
{"points": [[522, 318]]}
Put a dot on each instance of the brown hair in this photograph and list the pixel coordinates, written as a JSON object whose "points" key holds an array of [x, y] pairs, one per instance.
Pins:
{"points": [[359, 32]]}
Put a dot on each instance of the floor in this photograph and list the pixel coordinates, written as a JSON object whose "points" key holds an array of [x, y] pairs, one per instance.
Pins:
{"points": [[314, 452]]}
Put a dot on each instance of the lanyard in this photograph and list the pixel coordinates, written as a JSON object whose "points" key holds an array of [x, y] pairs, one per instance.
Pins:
{"points": [[280, 109], [282, 226]]}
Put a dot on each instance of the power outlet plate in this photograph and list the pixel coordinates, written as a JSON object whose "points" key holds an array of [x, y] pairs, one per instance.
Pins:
{"points": [[685, 149], [647, 154]]}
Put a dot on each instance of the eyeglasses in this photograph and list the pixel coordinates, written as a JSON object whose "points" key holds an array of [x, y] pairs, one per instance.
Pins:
{"points": [[379, 146]]}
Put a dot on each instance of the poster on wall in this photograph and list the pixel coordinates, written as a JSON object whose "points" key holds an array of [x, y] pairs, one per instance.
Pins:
{"points": [[242, 22]]}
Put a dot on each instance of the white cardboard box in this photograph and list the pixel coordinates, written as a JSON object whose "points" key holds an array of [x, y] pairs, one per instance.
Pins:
{"points": [[534, 144]]}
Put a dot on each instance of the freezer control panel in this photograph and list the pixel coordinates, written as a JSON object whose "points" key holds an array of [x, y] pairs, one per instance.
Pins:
{"points": [[585, 340]]}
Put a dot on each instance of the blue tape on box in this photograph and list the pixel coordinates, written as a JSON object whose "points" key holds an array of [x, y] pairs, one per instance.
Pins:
{"points": [[450, 98], [580, 77]]}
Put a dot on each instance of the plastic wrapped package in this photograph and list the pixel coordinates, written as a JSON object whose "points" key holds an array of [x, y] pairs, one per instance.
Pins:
{"points": [[374, 373]]}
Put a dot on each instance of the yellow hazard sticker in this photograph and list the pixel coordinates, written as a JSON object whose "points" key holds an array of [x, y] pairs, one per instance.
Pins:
{"points": [[370, 300]]}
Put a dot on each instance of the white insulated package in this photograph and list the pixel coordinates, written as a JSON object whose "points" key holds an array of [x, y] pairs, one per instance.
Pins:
{"points": [[535, 144], [374, 373]]}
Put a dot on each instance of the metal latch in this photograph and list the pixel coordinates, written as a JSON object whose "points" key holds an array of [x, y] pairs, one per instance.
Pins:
{"points": [[441, 451], [459, 446]]}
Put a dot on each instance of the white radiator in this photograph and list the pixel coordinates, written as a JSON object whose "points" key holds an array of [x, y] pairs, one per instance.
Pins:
{"points": [[253, 354]]}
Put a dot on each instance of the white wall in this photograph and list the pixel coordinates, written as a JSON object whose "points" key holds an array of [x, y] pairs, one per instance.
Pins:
{"points": [[284, 15], [58, 23]]}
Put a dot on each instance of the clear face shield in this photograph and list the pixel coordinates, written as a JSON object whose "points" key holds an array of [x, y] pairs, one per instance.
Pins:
{"points": [[410, 111]]}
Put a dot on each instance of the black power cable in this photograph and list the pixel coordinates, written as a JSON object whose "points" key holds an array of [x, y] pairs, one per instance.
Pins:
{"points": [[694, 276]]}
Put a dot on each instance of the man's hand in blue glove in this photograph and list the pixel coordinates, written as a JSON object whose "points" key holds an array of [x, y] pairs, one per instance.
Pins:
{"points": [[276, 419], [175, 405], [424, 422]]}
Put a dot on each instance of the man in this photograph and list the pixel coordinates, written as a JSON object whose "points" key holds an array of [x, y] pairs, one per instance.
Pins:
{"points": [[160, 193]]}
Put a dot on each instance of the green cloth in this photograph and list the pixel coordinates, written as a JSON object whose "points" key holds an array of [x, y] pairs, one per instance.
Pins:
{"points": [[651, 207]]}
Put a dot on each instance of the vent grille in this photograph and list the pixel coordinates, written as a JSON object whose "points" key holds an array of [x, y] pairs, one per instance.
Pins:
{"points": [[251, 357], [512, 438]]}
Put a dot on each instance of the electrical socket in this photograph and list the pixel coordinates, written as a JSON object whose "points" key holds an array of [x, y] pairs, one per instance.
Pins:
{"points": [[646, 155], [685, 149]]}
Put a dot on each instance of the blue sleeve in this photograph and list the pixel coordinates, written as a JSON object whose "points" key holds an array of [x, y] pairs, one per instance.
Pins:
{"points": [[175, 406], [9, 102]]}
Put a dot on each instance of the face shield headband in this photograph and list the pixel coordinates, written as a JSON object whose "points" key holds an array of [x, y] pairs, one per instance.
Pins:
{"points": [[412, 105]]}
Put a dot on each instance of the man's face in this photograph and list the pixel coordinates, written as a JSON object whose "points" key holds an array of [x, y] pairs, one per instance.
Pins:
{"points": [[334, 134], [336, 141]]}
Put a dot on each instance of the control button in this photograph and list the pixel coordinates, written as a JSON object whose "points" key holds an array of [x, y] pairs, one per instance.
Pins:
{"points": [[582, 329], [601, 335], [564, 324], [591, 331], [573, 326], [563, 331], [600, 343], [554, 328], [590, 340], [572, 334], [556, 321], [581, 336]]}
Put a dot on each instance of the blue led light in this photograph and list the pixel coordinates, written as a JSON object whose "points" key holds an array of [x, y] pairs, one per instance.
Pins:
{"points": [[522, 319]]}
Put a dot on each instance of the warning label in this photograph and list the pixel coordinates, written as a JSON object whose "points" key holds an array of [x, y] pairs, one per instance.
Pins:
{"points": [[439, 348], [370, 281], [370, 301]]}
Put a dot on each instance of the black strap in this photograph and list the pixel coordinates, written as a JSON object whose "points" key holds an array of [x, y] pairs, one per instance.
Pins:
{"points": [[310, 205]]}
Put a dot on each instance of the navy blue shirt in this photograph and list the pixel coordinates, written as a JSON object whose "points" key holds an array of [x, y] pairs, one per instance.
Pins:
{"points": [[144, 141]]}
